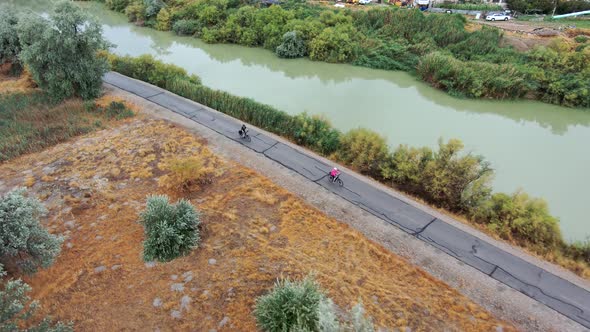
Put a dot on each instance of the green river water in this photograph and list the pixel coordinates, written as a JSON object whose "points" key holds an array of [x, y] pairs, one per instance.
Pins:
{"points": [[541, 148]]}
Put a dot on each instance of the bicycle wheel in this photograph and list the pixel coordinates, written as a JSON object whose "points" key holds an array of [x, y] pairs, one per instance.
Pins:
{"points": [[248, 138], [340, 182]]}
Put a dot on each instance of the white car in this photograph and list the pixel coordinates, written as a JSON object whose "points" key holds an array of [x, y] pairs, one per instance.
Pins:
{"points": [[365, 2], [497, 17], [339, 5]]}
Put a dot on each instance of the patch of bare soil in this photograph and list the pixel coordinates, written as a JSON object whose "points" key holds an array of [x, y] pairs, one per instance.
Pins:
{"points": [[253, 232]]}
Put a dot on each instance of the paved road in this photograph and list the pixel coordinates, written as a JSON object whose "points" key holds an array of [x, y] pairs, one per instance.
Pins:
{"points": [[545, 287]]}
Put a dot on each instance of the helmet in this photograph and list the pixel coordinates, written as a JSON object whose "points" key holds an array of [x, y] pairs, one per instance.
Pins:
{"points": [[335, 168]]}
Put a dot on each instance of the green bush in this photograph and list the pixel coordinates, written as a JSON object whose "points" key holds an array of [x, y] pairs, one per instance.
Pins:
{"points": [[333, 45], [293, 46], [290, 306], [316, 132], [171, 230], [519, 217], [22, 238], [10, 46], [364, 150], [163, 20], [117, 5], [360, 322], [153, 7], [405, 167], [392, 55], [473, 79], [16, 309], [61, 52], [185, 27], [578, 250], [581, 39], [135, 11], [148, 69], [470, 6], [448, 174]]}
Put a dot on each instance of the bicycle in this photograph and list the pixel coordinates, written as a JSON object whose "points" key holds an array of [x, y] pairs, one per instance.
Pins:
{"points": [[244, 135], [337, 180]]}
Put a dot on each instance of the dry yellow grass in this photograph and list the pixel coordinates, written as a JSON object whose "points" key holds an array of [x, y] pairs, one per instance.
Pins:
{"points": [[96, 185]]}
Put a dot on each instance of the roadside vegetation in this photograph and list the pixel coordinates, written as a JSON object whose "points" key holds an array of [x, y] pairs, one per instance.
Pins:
{"points": [[447, 177], [470, 6], [303, 306], [25, 246], [547, 6], [437, 48]]}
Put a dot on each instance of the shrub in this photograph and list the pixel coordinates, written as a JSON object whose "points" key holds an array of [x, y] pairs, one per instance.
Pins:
{"points": [[469, 6], [185, 173], [135, 11], [405, 167], [293, 46], [117, 5], [327, 319], [360, 322], [448, 174], [185, 27], [171, 230], [16, 309], [148, 69], [364, 150], [332, 45], [163, 20], [10, 46], [578, 250], [393, 55], [62, 59], [316, 133], [22, 238], [520, 217], [153, 7], [472, 79], [581, 39], [290, 306]]}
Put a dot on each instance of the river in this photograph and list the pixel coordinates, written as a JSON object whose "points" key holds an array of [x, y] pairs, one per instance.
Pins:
{"points": [[541, 148]]}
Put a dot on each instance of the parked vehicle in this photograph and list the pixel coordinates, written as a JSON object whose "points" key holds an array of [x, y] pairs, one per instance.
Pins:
{"points": [[339, 5], [497, 17], [365, 2]]}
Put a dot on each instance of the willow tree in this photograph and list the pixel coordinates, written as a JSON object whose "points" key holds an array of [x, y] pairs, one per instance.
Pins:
{"points": [[62, 52]]}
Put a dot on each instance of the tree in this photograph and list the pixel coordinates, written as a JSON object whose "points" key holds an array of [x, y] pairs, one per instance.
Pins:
{"points": [[10, 46], [22, 238], [16, 308], [61, 53]]}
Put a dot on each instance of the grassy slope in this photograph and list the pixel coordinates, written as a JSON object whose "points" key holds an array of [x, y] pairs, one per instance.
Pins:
{"points": [[95, 187]]}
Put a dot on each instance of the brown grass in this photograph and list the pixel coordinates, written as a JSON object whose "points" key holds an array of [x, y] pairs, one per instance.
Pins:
{"points": [[255, 230]]}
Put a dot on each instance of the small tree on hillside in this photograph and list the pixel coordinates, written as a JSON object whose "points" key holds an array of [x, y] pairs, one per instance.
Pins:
{"points": [[61, 52], [9, 43], [22, 238], [171, 230], [16, 308]]}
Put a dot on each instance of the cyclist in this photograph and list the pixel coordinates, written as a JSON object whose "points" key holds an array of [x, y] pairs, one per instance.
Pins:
{"points": [[334, 174], [243, 131]]}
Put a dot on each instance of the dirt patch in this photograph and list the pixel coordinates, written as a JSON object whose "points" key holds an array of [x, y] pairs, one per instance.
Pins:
{"points": [[253, 232]]}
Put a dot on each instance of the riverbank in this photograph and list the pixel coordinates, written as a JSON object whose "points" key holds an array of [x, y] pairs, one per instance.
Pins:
{"points": [[464, 189], [387, 38]]}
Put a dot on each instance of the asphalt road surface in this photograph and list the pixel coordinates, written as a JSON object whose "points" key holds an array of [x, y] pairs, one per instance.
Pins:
{"points": [[531, 280]]}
